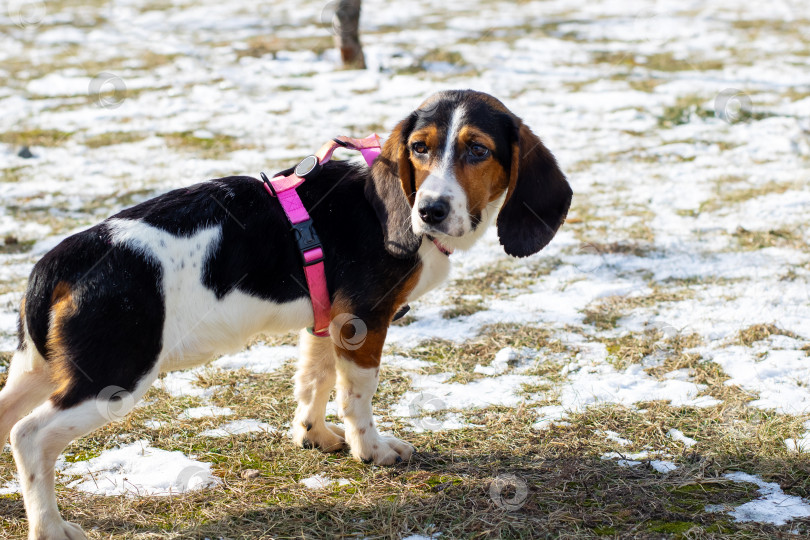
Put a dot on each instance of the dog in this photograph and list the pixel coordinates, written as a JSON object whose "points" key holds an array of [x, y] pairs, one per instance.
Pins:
{"points": [[174, 281]]}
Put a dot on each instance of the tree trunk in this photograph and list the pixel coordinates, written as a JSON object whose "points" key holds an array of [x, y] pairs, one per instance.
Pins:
{"points": [[347, 33]]}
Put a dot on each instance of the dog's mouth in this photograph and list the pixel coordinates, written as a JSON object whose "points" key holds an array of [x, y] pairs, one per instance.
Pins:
{"points": [[452, 227]]}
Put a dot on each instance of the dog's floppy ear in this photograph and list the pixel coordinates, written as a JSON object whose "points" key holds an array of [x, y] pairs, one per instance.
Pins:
{"points": [[390, 189], [537, 199]]}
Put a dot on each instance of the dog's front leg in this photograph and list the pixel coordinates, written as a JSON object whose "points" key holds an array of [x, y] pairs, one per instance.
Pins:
{"points": [[358, 373], [314, 380]]}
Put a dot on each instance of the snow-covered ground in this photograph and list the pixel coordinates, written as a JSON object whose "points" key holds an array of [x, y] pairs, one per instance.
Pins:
{"points": [[689, 219]]}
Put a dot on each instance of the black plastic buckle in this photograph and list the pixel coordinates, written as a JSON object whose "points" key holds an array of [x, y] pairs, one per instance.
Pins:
{"points": [[307, 240]]}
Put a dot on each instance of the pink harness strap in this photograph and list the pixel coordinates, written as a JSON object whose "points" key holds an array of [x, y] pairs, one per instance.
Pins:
{"points": [[284, 188]]}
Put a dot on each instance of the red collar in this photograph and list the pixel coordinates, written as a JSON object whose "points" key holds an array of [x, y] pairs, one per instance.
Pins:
{"points": [[441, 247]]}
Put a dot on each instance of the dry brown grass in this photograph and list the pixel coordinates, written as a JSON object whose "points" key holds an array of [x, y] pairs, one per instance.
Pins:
{"points": [[757, 332], [605, 313], [461, 358], [569, 491], [748, 240]]}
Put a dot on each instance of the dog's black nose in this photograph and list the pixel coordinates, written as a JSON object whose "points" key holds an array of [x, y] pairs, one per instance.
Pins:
{"points": [[435, 211]]}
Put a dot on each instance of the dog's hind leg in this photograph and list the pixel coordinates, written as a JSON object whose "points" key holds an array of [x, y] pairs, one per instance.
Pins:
{"points": [[314, 380], [39, 438], [28, 385]]}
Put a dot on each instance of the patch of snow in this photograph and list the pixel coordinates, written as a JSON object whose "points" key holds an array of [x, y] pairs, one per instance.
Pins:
{"points": [[239, 427], [505, 359], [436, 394], [184, 383], [10, 488], [773, 506], [597, 383], [663, 466], [321, 481], [548, 415], [137, 469], [205, 411], [429, 423], [778, 377], [629, 456], [258, 359], [677, 435], [403, 362], [801, 444], [615, 437]]}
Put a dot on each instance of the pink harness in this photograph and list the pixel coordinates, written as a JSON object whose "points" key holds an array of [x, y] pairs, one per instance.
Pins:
{"points": [[309, 245]]}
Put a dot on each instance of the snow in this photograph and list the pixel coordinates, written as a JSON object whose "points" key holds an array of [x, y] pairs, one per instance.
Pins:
{"points": [[137, 469], [779, 377], [504, 359], [321, 481], [677, 435], [9, 488], [432, 392], [259, 359], [663, 466], [625, 170], [802, 442], [183, 383], [239, 427], [595, 383], [549, 415], [205, 411], [615, 437], [625, 459], [773, 506]]}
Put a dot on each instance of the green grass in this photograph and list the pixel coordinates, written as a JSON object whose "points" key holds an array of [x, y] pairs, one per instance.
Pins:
{"points": [[216, 146], [729, 191], [110, 138], [36, 137]]}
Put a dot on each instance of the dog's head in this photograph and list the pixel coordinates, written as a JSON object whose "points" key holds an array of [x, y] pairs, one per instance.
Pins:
{"points": [[457, 161]]}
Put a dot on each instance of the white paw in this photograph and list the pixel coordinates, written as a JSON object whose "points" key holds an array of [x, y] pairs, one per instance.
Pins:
{"points": [[323, 436], [383, 451], [59, 531]]}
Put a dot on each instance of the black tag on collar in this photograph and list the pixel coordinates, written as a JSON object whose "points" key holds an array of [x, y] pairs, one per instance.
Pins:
{"points": [[402, 312]]}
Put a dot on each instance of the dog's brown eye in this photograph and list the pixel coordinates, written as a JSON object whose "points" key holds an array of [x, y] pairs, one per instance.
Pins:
{"points": [[479, 151], [419, 147]]}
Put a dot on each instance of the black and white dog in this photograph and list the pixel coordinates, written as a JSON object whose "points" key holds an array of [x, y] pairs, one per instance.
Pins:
{"points": [[172, 282]]}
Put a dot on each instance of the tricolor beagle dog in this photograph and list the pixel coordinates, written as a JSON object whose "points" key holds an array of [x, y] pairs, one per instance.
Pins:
{"points": [[194, 273]]}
